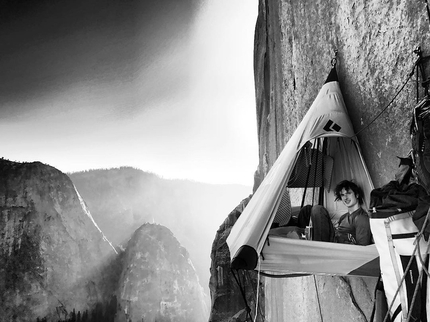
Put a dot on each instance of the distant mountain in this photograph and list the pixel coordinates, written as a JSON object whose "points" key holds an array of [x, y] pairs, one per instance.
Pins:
{"points": [[122, 199], [53, 257], [158, 281], [57, 265]]}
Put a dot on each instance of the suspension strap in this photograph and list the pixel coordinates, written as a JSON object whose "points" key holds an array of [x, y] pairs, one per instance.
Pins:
{"points": [[258, 290], [321, 192], [316, 171], [242, 291], [307, 175]]}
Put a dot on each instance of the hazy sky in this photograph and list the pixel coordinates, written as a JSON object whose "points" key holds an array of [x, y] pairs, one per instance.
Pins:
{"points": [[164, 86]]}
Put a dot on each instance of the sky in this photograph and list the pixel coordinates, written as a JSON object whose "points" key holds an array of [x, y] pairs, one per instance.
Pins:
{"points": [[165, 86]]}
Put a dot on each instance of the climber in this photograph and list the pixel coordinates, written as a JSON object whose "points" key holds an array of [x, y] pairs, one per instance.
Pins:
{"points": [[353, 227]]}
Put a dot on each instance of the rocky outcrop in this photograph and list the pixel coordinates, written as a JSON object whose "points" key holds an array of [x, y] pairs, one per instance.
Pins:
{"points": [[53, 257], [122, 199], [228, 302], [158, 281]]}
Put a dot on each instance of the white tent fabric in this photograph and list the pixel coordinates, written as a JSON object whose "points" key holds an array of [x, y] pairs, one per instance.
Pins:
{"points": [[321, 258], [326, 118]]}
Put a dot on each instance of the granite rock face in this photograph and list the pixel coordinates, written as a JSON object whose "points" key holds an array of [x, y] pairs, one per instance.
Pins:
{"points": [[294, 46], [55, 262], [158, 281], [295, 42], [228, 303], [53, 257]]}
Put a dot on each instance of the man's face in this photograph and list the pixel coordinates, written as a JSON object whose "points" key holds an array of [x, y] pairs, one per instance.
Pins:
{"points": [[348, 197]]}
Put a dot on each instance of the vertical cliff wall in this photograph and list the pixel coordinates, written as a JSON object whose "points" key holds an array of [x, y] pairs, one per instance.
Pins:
{"points": [[53, 257], [294, 44]]}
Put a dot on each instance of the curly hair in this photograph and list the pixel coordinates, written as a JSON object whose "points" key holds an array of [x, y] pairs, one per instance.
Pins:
{"points": [[348, 185]]}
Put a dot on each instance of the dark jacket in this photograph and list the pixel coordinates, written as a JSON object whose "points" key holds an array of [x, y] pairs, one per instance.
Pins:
{"points": [[354, 228]]}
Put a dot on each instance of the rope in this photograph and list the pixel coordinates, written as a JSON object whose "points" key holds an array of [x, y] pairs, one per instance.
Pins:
{"points": [[414, 297], [423, 264], [253, 287], [318, 298], [419, 235], [242, 291], [393, 256], [400, 285], [388, 105], [258, 289], [416, 64], [423, 269]]}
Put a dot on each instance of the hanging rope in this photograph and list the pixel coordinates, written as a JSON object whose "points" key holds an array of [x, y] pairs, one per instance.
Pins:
{"points": [[388, 105], [242, 291], [423, 263], [416, 67], [258, 306], [416, 248], [258, 289], [318, 298]]}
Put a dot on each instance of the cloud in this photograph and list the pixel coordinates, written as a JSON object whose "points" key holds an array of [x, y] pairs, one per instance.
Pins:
{"points": [[164, 85], [53, 47]]}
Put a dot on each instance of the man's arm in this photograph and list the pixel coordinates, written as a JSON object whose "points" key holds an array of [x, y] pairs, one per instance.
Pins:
{"points": [[363, 235]]}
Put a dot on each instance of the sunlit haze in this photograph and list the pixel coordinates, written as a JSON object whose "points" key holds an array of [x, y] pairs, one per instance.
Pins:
{"points": [[169, 90]]}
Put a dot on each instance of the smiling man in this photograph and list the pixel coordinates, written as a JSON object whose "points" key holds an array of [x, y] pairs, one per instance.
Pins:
{"points": [[352, 227]]}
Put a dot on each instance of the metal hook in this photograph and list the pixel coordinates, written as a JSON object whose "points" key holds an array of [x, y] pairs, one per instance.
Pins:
{"points": [[417, 51], [334, 59]]}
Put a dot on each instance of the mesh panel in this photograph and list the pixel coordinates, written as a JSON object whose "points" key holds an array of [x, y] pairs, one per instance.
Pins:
{"points": [[313, 171], [283, 213]]}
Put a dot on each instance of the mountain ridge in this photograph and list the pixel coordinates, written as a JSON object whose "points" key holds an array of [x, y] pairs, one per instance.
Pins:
{"points": [[56, 264], [122, 199]]}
